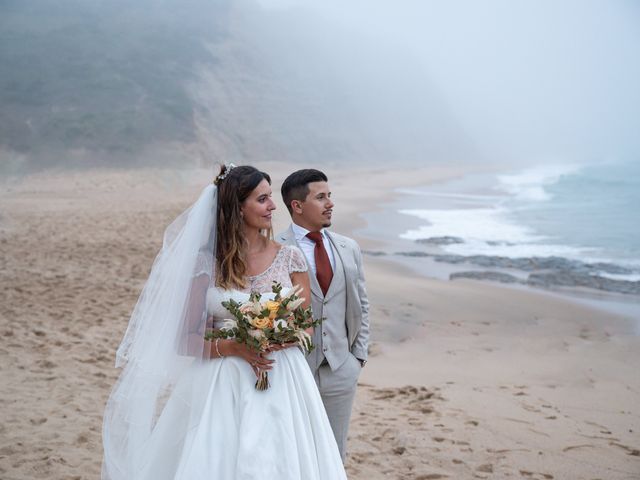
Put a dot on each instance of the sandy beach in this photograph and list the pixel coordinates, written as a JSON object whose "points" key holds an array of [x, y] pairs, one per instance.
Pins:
{"points": [[465, 379]]}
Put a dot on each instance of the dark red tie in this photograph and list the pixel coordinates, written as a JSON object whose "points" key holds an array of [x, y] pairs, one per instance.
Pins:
{"points": [[324, 273]]}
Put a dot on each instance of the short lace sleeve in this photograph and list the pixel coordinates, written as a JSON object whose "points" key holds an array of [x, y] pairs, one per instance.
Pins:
{"points": [[297, 262]]}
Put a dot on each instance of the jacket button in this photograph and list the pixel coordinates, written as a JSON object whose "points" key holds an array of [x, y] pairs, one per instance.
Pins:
{"points": [[324, 349], [324, 334]]}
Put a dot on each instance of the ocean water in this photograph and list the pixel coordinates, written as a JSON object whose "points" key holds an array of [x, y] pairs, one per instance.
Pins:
{"points": [[580, 212]]}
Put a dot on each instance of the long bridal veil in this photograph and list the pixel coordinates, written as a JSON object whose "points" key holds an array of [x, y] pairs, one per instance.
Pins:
{"points": [[164, 337]]}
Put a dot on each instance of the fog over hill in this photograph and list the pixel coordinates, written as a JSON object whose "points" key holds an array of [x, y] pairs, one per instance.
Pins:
{"points": [[177, 82], [167, 82], [99, 82]]}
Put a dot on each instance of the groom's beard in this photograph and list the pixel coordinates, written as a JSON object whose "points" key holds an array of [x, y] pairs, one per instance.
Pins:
{"points": [[329, 214]]}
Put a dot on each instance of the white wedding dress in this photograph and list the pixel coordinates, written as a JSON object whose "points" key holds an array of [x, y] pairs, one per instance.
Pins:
{"points": [[237, 432]]}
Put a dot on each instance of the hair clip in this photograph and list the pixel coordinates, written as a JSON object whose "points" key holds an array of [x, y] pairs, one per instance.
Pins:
{"points": [[224, 173]]}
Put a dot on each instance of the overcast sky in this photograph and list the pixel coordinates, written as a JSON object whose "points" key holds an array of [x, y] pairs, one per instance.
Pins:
{"points": [[539, 79]]}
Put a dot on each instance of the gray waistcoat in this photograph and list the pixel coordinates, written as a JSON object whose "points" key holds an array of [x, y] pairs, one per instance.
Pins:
{"points": [[330, 338]]}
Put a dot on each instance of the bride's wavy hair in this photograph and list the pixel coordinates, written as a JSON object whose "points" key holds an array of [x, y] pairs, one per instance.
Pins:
{"points": [[235, 184]]}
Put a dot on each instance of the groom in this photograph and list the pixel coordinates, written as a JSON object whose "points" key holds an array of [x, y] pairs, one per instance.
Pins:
{"points": [[338, 295]]}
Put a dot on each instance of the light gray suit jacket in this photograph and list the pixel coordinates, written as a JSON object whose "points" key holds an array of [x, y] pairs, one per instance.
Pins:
{"points": [[345, 308]]}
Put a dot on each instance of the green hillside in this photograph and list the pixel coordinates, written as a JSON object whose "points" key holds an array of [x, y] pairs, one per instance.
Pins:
{"points": [[106, 77]]}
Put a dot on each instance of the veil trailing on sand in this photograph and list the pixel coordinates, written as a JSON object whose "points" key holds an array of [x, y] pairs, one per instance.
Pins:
{"points": [[164, 338]]}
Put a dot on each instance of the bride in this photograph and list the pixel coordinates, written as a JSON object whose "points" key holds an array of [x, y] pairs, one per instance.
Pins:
{"points": [[185, 408]]}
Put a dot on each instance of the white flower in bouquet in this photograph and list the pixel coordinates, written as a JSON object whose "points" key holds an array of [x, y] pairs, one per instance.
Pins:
{"points": [[291, 306], [305, 339], [257, 334], [280, 324], [295, 290], [246, 307], [229, 324], [251, 307]]}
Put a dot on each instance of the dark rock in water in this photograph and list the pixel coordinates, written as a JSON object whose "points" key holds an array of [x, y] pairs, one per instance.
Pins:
{"points": [[451, 258], [527, 264], [610, 268], [440, 240], [570, 279], [545, 272], [414, 254], [495, 243], [374, 253], [492, 276]]}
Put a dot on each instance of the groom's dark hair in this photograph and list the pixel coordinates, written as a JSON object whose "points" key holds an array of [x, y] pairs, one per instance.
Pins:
{"points": [[296, 185]]}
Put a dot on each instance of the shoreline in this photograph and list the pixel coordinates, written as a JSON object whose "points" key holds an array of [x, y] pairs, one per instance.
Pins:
{"points": [[574, 280]]}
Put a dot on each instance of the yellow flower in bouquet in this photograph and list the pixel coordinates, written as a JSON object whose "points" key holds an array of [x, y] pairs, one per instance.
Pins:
{"points": [[261, 322], [273, 308]]}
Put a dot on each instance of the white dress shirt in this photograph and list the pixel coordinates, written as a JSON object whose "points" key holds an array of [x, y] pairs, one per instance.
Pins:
{"points": [[308, 246]]}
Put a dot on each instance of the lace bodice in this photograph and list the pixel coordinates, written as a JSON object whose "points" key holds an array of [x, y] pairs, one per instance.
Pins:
{"points": [[289, 259]]}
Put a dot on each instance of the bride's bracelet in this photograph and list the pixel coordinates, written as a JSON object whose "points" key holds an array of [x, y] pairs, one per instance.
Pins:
{"points": [[216, 346]]}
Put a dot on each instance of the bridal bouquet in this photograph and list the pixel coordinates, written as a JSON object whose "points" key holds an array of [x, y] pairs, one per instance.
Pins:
{"points": [[261, 324]]}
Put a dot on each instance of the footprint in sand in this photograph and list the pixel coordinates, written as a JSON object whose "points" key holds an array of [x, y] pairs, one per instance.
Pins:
{"points": [[399, 450], [573, 447], [630, 451], [385, 394], [530, 408], [517, 420], [535, 475], [602, 428]]}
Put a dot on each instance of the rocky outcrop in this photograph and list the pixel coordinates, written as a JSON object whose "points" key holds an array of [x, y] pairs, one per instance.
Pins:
{"points": [[545, 272], [491, 276], [446, 240]]}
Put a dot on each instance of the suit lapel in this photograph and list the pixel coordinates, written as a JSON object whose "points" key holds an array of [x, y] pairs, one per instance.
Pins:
{"points": [[339, 274]]}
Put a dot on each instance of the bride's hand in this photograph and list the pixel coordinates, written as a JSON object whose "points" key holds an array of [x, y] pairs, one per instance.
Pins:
{"points": [[281, 346], [257, 360]]}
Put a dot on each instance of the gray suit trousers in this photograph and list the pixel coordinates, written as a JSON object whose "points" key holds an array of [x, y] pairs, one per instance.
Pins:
{"points": [[338, 390]]}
